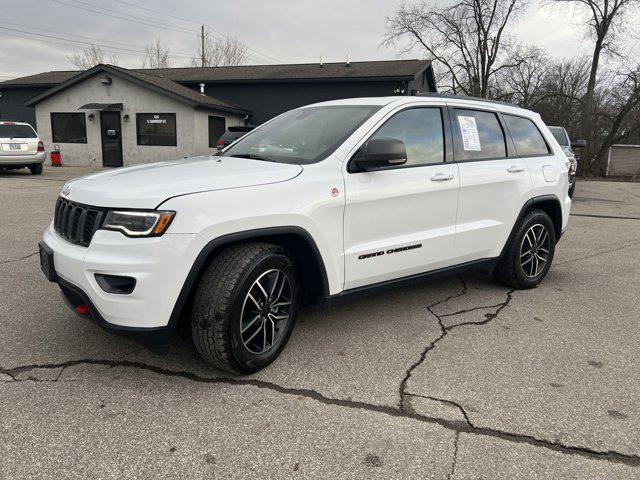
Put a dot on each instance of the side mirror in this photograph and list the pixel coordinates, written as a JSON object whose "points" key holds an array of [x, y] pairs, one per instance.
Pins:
{"points": [[578, 144], [380, 153]]}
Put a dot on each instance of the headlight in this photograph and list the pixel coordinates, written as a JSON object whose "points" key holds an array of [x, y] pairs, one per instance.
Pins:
{"points": [[138, 224]]}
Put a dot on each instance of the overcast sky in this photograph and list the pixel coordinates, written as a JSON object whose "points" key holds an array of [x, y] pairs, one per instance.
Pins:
{"points": [[284, 31]]}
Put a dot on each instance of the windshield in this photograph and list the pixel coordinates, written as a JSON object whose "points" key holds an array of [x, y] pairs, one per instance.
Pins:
{"points": [[16, 131], [303, 136], [560, 136]]}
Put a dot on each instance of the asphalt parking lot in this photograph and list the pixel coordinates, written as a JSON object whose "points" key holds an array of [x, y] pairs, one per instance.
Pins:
{"points": [[457, 378]]}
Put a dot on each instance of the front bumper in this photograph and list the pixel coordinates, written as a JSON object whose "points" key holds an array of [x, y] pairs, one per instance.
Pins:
{"points": [[15, 160], [160, 266]]}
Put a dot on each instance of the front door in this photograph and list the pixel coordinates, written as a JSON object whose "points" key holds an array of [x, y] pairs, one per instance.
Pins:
{"points": [[111, 139], [401, 221]]}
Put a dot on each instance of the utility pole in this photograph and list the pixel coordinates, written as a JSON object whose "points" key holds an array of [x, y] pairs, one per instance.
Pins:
{"points": [[202, 44]]}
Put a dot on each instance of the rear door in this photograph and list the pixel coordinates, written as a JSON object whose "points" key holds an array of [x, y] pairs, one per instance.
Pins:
{"points": [[400, 221], [17, 139], [494, 182]]}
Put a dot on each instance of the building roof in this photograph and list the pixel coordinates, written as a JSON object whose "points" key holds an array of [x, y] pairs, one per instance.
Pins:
{"points": [[160, 84], [360, 71]]}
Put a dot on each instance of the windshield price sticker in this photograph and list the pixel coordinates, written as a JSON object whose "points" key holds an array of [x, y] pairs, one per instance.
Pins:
{"points": [[469, 130]]}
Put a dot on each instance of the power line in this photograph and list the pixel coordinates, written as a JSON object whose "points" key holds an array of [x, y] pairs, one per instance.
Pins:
{"points": [[139, 20], [94, 41], [127, 16], [55, 37], [121, 16], [268, 57]]}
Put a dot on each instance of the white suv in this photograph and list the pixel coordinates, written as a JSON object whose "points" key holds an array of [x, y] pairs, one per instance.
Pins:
{"points": [[319, 203], [20, 147]]}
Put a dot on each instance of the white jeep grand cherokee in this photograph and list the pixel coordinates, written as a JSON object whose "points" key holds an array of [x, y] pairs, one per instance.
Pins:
{"points": [[319, 203]]}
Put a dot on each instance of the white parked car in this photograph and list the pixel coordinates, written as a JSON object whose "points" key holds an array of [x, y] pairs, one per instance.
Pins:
{"points": [[20, 147], [318, 204]]}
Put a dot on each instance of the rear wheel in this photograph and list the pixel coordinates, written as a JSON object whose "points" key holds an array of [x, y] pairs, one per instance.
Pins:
{"points": [[36, 168], [530, 252], [244, 307]]}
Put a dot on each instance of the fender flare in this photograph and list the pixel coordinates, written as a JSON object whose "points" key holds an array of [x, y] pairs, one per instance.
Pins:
{"points": [[200, 262], [528, 204]]}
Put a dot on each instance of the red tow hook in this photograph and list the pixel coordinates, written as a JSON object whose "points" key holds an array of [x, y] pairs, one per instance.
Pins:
{"points": [[82, 309]]}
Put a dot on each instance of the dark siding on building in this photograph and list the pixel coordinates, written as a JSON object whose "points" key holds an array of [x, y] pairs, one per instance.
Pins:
{"points": [[266, 100], [12, 104]]}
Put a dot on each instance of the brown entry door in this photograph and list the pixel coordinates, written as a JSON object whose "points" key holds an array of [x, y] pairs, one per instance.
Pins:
{"points": [[111, 134]]}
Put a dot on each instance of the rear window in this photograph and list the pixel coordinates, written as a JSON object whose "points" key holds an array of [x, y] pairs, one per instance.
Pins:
{"points": [[560, 136], [526, 136], [17, 131]]}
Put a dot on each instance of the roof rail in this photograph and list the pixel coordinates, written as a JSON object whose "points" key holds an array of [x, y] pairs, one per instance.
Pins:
{"points": [[464, 97]]}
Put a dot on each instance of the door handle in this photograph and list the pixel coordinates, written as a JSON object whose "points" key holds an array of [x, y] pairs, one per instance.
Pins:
{"points": [[442, 177], [515, 169]]}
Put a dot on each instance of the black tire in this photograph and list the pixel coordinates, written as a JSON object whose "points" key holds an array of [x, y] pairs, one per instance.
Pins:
{"points": [[36, 168], [510, 270], [219, 301], [572, 189]]}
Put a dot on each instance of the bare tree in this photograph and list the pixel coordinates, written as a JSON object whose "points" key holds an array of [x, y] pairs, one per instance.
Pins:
{"points": [[219, 52], [617, 117], [156, 55], [564, 86], [468, 39], [90, 57], [604, 24], [526, 82]]}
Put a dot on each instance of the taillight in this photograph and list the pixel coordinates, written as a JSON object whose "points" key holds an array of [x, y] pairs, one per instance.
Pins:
{"points": [[570, 168], [40, 147]]}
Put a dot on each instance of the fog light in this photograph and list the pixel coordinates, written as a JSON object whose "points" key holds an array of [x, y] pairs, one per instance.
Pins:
{"points": [[117, 284]]}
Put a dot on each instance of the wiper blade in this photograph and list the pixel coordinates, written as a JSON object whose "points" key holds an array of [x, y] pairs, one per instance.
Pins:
{"points": [[251, 156]]}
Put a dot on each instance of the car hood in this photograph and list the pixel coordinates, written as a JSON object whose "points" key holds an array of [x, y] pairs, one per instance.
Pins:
{"points": [[147, 186]]}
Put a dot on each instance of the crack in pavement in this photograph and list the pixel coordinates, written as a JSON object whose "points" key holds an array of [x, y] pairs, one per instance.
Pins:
{"points": [[603, 216], [452, 425], [455, 456], [13, 260], [403, 405], [443, 332], [597, 254]]}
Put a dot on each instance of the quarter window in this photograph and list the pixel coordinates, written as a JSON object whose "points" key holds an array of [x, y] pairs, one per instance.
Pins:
{"points": [[158, 129], [526, 136], [422, 133], [68, 128], [478, 135]]}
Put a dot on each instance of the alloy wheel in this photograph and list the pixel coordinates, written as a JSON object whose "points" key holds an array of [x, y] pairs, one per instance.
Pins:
{"points": [[534, 250], [266, 311]]}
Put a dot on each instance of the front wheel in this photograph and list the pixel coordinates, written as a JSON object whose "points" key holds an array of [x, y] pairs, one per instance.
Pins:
{"points": [[244, 307], [529, 254]]}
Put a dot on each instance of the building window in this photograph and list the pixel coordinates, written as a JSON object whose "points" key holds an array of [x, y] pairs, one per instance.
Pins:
{"points": [[158, 129], [217, 127], [69, 128]]}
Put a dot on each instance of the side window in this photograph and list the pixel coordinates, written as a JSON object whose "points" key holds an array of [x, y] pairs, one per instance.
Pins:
{"points": [[478, 135], [421, 131], [526, 136]]}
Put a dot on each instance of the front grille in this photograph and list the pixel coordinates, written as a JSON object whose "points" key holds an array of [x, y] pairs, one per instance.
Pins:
{"points": [[76, 222]]}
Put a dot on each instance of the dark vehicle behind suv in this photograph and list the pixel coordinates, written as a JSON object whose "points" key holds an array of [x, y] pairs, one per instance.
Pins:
{"points": [[232, 134]]}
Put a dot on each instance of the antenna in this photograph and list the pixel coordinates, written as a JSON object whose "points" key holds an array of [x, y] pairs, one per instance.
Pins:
{"points": [[348, 61], [321, 62]]}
